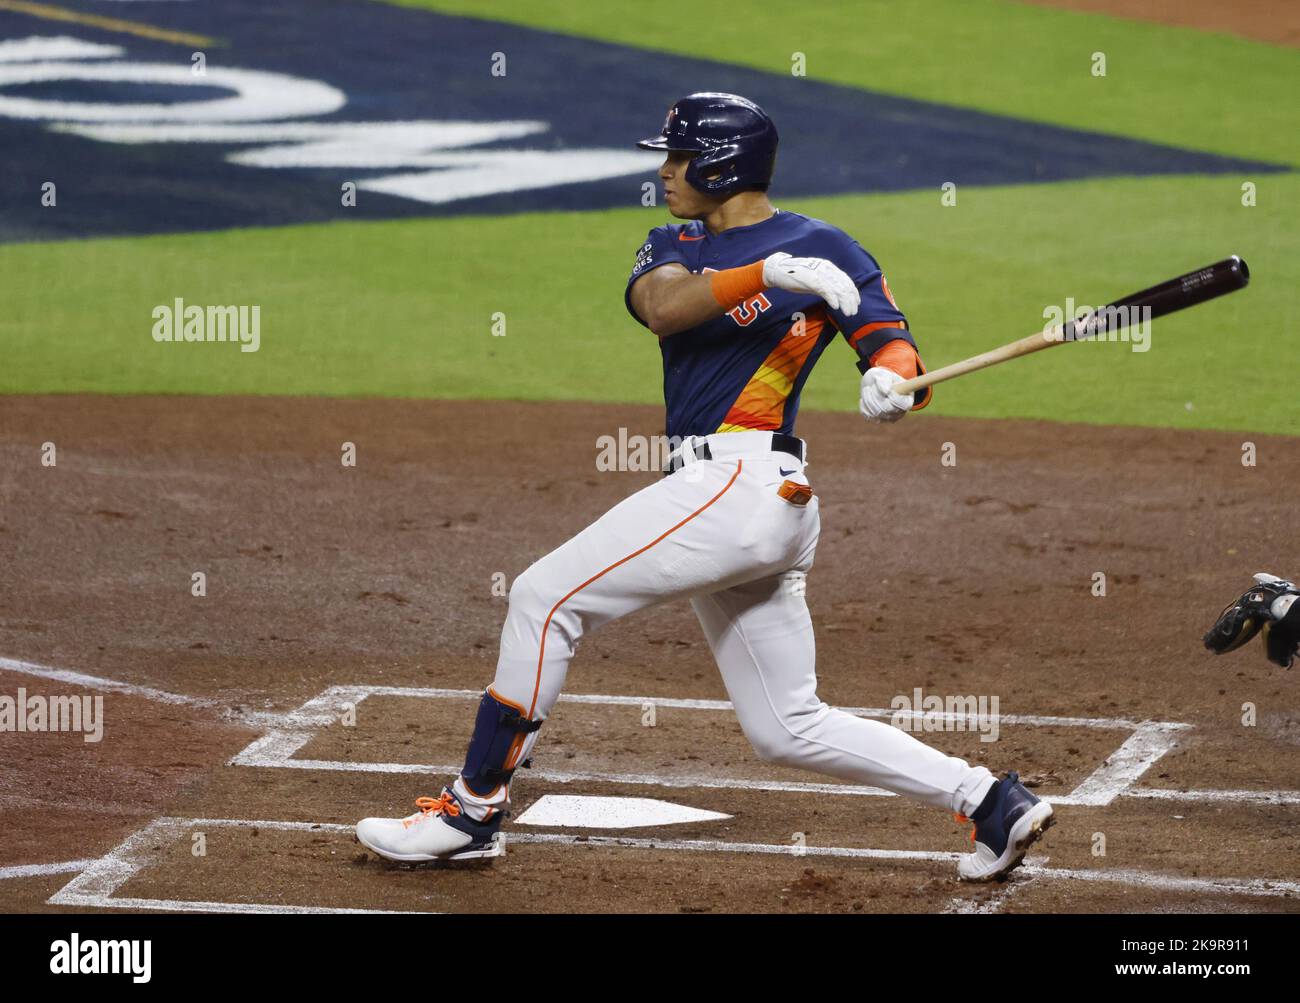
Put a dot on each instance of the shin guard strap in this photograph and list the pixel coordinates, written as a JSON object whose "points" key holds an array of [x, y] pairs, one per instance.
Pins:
{"points": [[500, 731]]}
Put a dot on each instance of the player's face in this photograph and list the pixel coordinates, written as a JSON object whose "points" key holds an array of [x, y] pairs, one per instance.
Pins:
{"points": [[681, 198]]}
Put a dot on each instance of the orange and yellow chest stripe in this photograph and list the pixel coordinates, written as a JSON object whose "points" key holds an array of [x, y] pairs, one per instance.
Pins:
{"points": [[761, 405]]}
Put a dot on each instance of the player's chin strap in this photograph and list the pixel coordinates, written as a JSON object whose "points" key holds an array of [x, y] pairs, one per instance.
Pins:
{"points": [[503, 734]]}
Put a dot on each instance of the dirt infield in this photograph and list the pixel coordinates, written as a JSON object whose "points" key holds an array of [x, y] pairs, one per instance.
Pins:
{"points": [[1261, 20], [368, 590]]}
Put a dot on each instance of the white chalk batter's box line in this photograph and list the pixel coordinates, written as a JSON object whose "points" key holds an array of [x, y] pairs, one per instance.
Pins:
{"points": [[1115, 777], [99, 879], [96, 885]]}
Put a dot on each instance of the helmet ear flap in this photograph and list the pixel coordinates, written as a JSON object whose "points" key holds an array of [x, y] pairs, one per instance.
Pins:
{"points": [[716, 172], [702, 172]]}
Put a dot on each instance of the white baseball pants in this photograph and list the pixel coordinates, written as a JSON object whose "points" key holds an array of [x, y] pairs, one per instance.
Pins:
{"points": [[718, 533]]}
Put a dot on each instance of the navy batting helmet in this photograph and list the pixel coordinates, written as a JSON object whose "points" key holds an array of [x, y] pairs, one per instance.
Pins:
{"points": [[733, 140]]}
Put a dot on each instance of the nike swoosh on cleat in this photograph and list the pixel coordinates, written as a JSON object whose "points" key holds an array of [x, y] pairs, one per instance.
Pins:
{"points": [[786, 473]]}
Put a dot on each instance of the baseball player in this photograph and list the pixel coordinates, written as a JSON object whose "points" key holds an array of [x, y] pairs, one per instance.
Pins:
{"points": [[743, 298]]}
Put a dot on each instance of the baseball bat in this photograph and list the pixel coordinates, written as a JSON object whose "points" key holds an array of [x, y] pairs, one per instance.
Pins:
{"points": [[1206, 283]]}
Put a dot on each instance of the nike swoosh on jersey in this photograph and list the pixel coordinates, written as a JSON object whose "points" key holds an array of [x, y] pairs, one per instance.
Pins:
{"points": [[682, 236], [786, 473]]}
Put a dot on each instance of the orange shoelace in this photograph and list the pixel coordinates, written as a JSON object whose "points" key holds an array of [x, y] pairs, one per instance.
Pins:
{"points": [[444, 804], [963, 820]]}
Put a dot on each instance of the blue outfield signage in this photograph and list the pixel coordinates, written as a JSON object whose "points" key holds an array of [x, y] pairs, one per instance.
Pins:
{"points": [[206, 115]]}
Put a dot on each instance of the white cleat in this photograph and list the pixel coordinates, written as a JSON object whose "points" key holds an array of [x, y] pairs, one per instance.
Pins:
{"points": [[440, 830], [1016, 821]]}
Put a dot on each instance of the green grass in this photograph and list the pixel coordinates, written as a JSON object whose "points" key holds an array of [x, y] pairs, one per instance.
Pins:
{"points": [[405, 308], [1171, 85]]}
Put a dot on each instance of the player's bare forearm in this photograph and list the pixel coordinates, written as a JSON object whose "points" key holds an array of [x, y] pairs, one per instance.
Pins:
{"points": [[670, 299]]}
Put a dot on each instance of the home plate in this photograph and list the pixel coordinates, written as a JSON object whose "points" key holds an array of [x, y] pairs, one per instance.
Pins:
{"points": [[577, 811]]}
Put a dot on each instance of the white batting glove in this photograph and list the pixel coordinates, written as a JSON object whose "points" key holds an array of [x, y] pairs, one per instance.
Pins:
{"points": [[879, 403], [812, 275]]}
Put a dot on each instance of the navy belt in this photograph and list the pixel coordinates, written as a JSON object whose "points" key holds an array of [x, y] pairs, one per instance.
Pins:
{"points": [[781, 443]]}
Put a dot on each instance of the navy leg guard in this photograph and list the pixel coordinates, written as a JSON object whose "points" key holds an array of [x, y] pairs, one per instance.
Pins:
{"points": [[500, 731]]}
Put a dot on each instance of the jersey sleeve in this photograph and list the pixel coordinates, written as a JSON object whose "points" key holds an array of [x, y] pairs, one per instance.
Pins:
{"points": [[660, 248], [878, 321]]}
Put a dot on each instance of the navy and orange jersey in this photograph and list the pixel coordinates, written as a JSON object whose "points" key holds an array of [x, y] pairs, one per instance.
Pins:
{"points": [[746, 369]]}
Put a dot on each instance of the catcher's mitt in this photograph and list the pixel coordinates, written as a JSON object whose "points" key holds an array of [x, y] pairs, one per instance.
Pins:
{"points": [[1270, 605]]}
